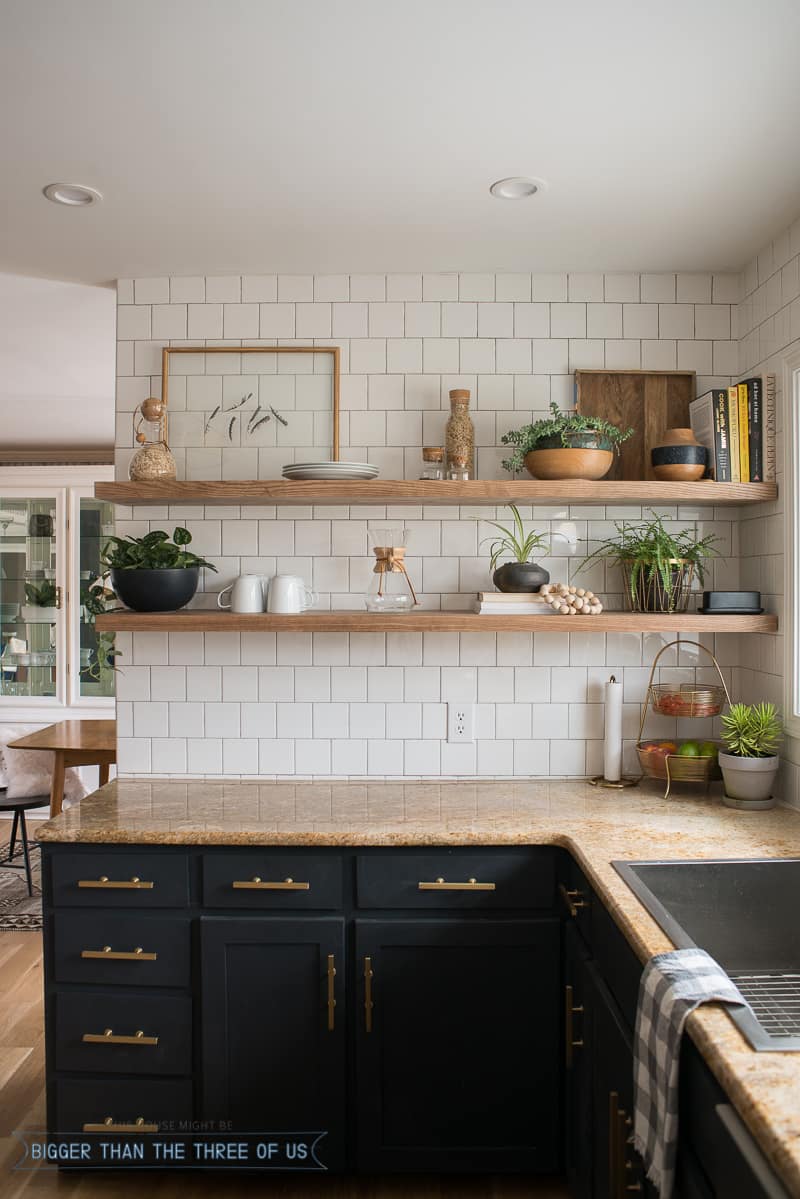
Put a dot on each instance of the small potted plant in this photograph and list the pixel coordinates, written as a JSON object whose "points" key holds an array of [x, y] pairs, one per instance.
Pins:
{"points": [[522, 574], [751, 734], [152, 573], [98, 660], [658, 567], [566, 445], [42, 606]]}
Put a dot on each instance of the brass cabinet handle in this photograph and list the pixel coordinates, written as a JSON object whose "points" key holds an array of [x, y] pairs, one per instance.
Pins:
{"points": [[613, 1145], [625, 1166], [109, 1037], [368, 1004], [471, 884], [59, 597], [104, 883], [573, 900], [570, 1011], [256, 884], [109, 1125], [119, 955], [331, 991]]}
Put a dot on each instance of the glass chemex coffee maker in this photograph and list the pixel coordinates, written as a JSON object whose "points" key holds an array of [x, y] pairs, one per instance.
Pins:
{"points": [[390, 589]]}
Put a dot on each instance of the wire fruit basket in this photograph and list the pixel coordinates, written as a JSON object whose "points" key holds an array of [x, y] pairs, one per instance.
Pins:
{"points": [[679, 701]]}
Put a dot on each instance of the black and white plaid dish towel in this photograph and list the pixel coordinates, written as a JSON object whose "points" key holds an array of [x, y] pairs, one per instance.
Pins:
{"points": [[673, 985]]}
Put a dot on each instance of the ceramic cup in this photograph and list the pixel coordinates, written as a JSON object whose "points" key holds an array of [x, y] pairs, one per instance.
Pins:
{"points": [[289, 594], [246, 594]]}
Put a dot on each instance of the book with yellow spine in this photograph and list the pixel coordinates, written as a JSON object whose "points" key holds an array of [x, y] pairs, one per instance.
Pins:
{"points": [[733, 421], [744, 434]]}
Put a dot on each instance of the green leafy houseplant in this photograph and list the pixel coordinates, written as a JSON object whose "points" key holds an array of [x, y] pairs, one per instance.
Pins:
{"points": [[42, 596], [95, 598], [154, 551], [752, 730], [658, 566], [560, 428], [522, 574]]}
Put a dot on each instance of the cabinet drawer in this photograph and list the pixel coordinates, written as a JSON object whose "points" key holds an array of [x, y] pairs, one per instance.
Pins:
{"points": [[265, 879], [444, 878], [139, 949], [138, 879], [165, 1022], [80, 1101]]}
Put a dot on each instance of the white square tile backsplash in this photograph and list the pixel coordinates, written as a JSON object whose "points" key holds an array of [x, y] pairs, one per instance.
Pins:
{"points": [[262, 704]]}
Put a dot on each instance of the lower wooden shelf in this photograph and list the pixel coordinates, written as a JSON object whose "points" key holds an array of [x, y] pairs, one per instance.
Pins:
{"points": [[195, 620]]}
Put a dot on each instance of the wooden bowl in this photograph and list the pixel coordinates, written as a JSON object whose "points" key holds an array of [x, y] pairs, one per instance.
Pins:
{"points": [[679, 472], [569, 464]]}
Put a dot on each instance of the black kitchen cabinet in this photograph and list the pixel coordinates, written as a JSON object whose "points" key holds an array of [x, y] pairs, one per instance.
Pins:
{"points": [[578, 1048], [457, 1054], [273, 1033]]}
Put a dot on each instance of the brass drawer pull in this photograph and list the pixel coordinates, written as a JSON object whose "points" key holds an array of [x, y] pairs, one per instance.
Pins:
{"points": [[573, 900], [368, 1004], [119, 955], [103, 883], [256, 884], [331, 992], [571, 1009], [471, 884], [108, 1125], [108, 1037]]}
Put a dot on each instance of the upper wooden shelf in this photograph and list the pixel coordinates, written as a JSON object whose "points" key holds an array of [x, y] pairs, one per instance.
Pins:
{"points": [[213, 620], [421, 491]]}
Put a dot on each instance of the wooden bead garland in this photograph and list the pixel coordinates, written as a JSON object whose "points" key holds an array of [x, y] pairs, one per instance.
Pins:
{"points": [[567, 600]]}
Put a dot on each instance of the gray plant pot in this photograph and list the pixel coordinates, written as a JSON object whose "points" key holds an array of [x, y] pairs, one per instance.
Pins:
{"points": [[520, 576], [748, 780]]}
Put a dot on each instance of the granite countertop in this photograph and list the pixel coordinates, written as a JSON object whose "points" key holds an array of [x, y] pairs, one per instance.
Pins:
{"points": [[596, 826]]}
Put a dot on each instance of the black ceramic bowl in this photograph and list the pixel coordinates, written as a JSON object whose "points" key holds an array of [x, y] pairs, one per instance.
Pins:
{"points": [[679, 455], [155, 590]]}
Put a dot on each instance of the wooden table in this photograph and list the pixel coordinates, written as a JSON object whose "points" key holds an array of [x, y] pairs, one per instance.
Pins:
{"points": [[74, 743]]}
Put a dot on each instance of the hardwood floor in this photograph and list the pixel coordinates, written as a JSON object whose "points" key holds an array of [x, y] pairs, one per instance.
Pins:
{"points": [[22, 1106]]}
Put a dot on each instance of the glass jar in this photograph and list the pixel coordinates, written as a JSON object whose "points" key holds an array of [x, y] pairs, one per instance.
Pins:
{"points": [[459, 469], [390, 589], [432, 462], [459, 432]]}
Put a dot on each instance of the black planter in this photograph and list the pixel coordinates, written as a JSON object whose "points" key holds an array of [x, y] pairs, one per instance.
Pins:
{"points": [[520, 576], [155, 590]]}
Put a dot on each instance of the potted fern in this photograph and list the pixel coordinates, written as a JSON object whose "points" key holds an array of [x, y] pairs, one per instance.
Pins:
{"points": [[522, 574], [751, 734]]}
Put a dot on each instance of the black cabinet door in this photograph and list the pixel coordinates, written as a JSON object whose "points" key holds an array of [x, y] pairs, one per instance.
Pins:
{"points": [[273, 1043], [577, 1034], [618, 1169], [458, 1056]]}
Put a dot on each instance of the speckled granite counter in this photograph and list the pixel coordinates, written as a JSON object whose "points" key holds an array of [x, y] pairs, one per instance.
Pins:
{"points": [[595, 826]]}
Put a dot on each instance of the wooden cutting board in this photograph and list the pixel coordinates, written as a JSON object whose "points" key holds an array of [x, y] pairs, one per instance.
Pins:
{"points": [[650, 401]]}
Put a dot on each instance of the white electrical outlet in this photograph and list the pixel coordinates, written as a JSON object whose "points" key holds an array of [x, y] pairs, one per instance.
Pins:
{"points": [[460, 723]]}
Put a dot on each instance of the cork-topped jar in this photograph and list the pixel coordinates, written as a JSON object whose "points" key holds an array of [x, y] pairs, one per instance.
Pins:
{"points": [[459, 432]]}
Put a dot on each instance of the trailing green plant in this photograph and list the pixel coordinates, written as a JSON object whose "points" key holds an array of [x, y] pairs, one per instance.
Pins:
{"points": [[752, 730], [154, 551], [648, 551], [559, 424], [43, 595], [95, 599], [515, 543]]}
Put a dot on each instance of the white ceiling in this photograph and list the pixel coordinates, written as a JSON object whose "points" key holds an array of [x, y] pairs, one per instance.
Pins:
{"points": [[362, 135]]}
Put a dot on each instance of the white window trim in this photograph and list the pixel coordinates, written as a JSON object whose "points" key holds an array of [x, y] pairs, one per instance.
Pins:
{"points": [[791, 506]]}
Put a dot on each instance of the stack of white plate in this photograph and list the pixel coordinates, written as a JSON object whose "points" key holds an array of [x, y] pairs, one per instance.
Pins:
{"points": [[330, 470]]}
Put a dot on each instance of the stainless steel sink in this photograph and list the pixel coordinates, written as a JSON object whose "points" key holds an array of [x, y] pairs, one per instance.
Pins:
{"points": [[746, 914]]}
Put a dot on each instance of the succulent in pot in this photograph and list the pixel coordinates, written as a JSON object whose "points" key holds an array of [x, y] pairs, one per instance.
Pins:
{"points": [[751, 734], [522, 574], [565, 445], [153, 573], [658, 566]]}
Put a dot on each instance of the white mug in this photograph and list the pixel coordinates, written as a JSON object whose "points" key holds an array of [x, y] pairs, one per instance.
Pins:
{"points": [[289, 594], [246, 595]]}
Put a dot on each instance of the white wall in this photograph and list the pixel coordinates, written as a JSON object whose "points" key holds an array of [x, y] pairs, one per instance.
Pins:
{"points": [[333, 704], [57, 343]]}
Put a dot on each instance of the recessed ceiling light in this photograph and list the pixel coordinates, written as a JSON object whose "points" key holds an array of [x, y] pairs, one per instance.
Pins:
{"points": [[517, 187], [74, 195]]}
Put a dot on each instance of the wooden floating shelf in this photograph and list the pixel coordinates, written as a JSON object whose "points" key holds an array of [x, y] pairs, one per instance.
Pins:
{"points": [[422, 491], [196, 620]]}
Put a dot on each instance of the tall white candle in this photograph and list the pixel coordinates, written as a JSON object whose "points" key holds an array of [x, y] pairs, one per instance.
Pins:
{"points": [[612, 748]]}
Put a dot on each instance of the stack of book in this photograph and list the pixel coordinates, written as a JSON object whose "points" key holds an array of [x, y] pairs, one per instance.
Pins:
{"points": [[737, 426], [512, 603]]}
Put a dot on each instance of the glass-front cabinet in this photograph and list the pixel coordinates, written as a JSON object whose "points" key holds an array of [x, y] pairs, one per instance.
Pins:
{"points": [[53, 663]]}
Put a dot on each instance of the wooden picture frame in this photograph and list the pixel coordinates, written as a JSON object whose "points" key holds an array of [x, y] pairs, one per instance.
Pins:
{"points": [[334, 351]]}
